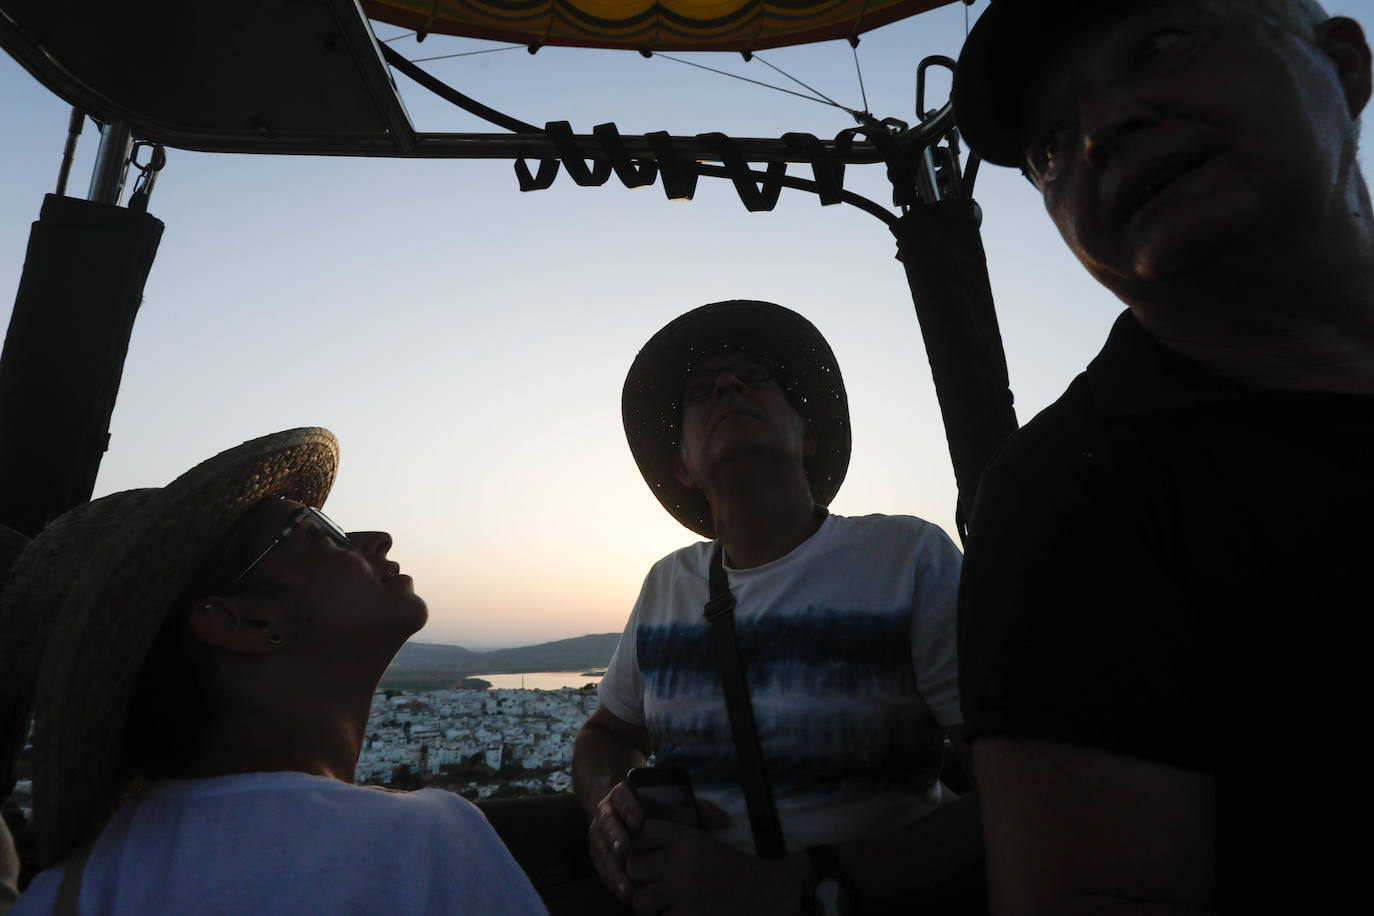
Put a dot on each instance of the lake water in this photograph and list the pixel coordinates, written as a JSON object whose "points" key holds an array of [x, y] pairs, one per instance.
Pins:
{"points": [[540, 680]]}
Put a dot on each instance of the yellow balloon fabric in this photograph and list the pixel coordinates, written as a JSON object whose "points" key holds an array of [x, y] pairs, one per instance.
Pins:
{"points": [[648, 25]]}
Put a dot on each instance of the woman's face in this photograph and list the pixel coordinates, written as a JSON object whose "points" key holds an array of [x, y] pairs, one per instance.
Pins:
{"points": [[339, 593]]}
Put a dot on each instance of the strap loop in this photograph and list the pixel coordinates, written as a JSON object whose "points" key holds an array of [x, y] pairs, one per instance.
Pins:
{"points": [[720, 604]]}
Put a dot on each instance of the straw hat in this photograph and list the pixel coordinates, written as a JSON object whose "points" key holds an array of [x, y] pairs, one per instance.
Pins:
{"points": [[806, 367], [15, 702], [103, 577]]}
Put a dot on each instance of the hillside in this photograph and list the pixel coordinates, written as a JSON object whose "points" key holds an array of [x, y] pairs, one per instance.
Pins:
{"points": [[577, 654], [431, 665], [420, 656]]}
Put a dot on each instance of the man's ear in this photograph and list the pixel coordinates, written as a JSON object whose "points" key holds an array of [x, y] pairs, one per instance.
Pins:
{"points": [[239, 624], [1342, 40], [810, 438], [680, 471]]}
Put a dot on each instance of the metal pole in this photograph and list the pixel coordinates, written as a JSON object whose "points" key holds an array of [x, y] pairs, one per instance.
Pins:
{"points": [[925, 177], [111, 163], [78, 119]]}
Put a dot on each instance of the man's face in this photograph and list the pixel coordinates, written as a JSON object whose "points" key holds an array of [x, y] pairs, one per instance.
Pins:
{"points": [[730, 411], [1176, 142], [343, 594]]}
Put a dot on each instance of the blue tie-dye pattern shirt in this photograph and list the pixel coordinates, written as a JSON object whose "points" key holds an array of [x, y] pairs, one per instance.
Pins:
{"points": [[849, 647]]}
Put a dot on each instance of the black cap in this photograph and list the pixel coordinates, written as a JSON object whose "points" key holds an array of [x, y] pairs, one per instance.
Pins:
{"points": [[1008, 47]]}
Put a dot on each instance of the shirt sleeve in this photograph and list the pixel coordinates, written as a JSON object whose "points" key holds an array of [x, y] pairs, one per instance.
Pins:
{"points": [[622, 689], [934, 606], [462, 865], [1071, 627], [41, 896]]}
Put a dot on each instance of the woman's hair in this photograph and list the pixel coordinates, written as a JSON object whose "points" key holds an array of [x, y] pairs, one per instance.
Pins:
{"points": [[177, 695]]}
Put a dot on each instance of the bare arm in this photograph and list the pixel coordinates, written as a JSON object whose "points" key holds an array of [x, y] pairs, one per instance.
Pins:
{"points": [[1074, 830], [935, 860], [9, 868], [605, 749]]}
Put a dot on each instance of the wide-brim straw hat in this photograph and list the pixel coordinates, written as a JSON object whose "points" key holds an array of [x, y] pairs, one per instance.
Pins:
{"points": [[103, 577], [650, 404], [15, 702]]}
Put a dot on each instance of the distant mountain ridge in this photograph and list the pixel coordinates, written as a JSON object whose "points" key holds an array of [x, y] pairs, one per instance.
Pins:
{"points": [[580, 653]]}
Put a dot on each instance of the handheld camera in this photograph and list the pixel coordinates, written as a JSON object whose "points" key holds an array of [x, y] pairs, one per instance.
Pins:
{"points": [[665, 793]]}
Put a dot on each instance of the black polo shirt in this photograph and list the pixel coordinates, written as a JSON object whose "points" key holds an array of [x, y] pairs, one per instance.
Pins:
{"points": [[1168, 565]]}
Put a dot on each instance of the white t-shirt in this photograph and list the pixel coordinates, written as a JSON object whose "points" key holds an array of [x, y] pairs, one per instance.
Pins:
{"points": [[289, 843], [849, 649]]}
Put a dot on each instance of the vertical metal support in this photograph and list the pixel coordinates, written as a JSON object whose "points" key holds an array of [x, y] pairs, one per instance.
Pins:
{"points": [[111, 163], [74, 125], [926, 182]]}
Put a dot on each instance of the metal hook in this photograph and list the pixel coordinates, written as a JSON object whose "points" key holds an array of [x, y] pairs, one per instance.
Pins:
{"points": [[935, 60], [147, 174]]}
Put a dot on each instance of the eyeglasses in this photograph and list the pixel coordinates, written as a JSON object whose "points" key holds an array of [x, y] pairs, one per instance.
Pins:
{"points": [[700, 382], [325, 523]]}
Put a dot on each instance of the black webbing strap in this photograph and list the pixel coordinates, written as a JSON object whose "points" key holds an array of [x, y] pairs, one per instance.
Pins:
{"points": [[758, 797]]}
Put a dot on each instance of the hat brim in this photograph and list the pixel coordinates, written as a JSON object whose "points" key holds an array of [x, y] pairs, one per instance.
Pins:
{"points": [[1005, 50], [650, 402], [120, 597]]}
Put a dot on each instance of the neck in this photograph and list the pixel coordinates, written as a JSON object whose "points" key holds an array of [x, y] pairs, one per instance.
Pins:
{"points": [[1290, 307], [308, 733], [760, 518], [1300, 321], [1305, 356], [1317, 338]]}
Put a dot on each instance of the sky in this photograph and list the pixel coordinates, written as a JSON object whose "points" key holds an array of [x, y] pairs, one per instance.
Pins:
{"points": [[467, 342]]}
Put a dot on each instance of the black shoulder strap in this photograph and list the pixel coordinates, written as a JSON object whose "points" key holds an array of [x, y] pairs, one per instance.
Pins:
{"points": [[763, 813]]}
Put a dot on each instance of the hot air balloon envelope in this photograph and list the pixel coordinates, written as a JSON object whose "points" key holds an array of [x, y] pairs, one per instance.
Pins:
{"points": [[649, 25]]}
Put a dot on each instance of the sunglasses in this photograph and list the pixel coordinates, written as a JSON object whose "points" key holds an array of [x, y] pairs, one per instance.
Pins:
{"points": [[699, 383], [325, 523]]}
